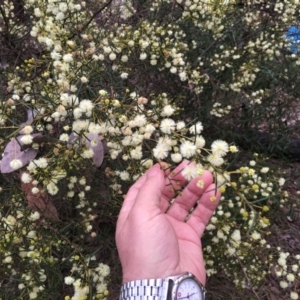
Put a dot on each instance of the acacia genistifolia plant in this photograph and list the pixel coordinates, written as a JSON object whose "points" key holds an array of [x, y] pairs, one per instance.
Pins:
{"points": [[98, 92]]}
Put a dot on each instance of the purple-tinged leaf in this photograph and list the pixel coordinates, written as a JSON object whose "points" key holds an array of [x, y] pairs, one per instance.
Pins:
{"points": [[30, 116], [72, 139], [93, 142], [27, 156], [11, 146], [13, 151]]}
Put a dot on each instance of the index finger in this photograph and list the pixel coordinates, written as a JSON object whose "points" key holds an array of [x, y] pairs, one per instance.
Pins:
{"points": [[131, 196]]}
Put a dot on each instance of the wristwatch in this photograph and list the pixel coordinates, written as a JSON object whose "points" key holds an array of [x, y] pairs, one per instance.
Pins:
{"points": [[180, 287]]}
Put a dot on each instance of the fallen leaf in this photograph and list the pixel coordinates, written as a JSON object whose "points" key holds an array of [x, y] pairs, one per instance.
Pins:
{"points": [[39, 202], [13, 151], [31, 114], [93, 142]]}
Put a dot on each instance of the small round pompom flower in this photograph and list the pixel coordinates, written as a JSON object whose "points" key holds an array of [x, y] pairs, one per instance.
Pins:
{"points": [[294, 296], [60, 16], [68, 58], [180, 125], [200, 142], [16, 164], [219, 147], [84, 79], [283, 284], [233, 149], [124, 175], [41, 162], [86, 105], [63, 7], [64, 137], [290, 277], [112, 56], [103, 269], [33, 295], [187, 149], [124, 58], [27, 129], [149, 128], [281, 181], [142, 100], [140, 120], [189, 172], [167, 111], [215, 159], [176, 157], [136, 153], [143, 56], [34, 216], [236, 235], [196, 129], [265, 170], [88, 153], [161, 151], [252, 163], [26, 139], [167, 126], [26, 178], [52, 188], [295, 268], [77, 112], [69, 280], [35, 190], [124, 75]]}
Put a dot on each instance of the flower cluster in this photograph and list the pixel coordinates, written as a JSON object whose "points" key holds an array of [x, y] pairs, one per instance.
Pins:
{"points": [[98, 275], [286, 268], [30, 255]]}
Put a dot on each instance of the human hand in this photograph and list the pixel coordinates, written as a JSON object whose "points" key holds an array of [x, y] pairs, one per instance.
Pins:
{"points": [[156, 242]]}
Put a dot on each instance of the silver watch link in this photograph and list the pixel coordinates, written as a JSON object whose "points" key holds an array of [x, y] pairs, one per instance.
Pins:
{"points": [[180, 287]]}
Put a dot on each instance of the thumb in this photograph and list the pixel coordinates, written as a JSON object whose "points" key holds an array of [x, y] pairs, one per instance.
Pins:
{"points": [[150, 193]]}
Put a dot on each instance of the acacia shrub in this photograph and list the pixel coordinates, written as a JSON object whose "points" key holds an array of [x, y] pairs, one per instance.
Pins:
{"points": [[113, 90]]}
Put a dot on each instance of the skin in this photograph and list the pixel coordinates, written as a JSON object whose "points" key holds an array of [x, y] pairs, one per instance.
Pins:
{"points": [[156, 242]]}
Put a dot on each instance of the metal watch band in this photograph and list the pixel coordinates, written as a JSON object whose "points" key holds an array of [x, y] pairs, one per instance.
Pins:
{"points": [[154, 289], [146, 289]]}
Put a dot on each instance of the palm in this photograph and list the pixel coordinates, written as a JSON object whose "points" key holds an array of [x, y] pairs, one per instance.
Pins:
{"points": [[189, 249], [153, 243], [180, 248]]}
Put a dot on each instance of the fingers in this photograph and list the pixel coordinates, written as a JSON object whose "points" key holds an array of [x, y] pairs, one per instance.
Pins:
{"points": [[173, 184], [200, 217], [157, 187], [150, 193], [130, 199], [189, 196], [134, 191]]}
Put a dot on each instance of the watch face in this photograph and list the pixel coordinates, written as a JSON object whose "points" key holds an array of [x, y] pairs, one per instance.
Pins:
{"points": [[189, 289]]}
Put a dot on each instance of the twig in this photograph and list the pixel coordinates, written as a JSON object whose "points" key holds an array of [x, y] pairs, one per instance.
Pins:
{"points": [[247, 278], [92, 18]]}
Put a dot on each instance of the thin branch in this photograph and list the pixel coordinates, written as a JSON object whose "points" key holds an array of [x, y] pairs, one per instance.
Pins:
{"points": [[4, 16], [92, 18]]}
